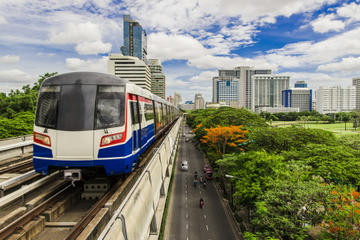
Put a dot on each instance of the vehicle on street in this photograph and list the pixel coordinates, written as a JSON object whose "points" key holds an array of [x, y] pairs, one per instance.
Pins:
{"points": [[208, 173], [186, 139], [184, 166]]}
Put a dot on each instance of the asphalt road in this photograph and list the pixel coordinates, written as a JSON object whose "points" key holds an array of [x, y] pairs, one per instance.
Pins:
{"points": [[186, 220]]}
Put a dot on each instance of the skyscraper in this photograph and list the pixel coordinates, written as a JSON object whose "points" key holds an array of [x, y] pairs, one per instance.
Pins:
{"points": [[157, 78], [130, 68], [335, 99], [236, 86], [298, 97], [356, 83], [135, 40], [268, 89], [199, 101]]}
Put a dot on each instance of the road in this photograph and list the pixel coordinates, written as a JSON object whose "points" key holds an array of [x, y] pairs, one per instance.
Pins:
{"points": [[186, 220]]}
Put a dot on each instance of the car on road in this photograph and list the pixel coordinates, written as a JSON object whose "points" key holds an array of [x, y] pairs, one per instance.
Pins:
{"points": [[184, 166], [186, 139]]}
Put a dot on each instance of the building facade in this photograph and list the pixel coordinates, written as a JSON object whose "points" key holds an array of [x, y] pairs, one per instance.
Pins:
{"points": [[157, 78], [268, 90], [298, 97], [135, 39], [130, 68], [335, 99], [236, 86], [177, 99], [356, 84], [199, 101]]}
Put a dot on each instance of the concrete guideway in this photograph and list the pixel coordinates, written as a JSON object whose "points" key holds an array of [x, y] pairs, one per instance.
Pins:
{"points": [[186, 220]]}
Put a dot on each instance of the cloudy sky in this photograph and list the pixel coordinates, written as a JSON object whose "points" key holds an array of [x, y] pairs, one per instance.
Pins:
{"points": [[313, 40]]}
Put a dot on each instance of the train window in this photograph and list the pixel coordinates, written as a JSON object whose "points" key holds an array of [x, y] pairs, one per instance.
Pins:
{"points": [[110, 107], [149, 111], [134, 112], [46, 113], [158, 114]]}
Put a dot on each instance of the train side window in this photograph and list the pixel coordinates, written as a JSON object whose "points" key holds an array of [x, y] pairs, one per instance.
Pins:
{"points": [[141, 111], [158, 114], [134, 112], [149, 112]]}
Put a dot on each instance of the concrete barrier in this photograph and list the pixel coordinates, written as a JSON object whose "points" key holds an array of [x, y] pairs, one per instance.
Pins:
{"points": [[15, 147], [139, 215]]}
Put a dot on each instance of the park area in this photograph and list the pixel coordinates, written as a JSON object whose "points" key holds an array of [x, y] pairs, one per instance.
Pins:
{"points": [[337, 128]]}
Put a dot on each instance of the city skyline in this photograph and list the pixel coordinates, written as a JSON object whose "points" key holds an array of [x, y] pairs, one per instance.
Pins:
{"points": [[313, 40]]}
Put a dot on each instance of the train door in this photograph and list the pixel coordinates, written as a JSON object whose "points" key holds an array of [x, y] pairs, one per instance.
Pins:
{"points": [[135, 119]]}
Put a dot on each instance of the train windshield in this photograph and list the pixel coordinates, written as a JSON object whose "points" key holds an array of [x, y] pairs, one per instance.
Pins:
{"points": [[47, 107], [80, 107], [110, 107]]}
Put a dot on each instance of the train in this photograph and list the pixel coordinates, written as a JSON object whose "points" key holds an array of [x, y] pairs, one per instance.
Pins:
{"points": [[90, 124]]}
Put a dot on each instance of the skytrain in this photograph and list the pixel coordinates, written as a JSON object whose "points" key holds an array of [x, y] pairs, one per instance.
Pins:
{"points": [[93, 123]]}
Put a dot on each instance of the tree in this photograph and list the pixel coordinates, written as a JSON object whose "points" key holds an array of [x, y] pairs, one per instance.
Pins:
{"points": [[221, 137], [342, 220]]}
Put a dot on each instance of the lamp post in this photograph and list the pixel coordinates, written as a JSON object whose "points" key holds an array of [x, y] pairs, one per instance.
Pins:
{"points": [[231, 188]]}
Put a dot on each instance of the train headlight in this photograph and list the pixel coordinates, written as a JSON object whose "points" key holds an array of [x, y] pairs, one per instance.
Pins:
{"points": [[42, 139], [112, 139]]}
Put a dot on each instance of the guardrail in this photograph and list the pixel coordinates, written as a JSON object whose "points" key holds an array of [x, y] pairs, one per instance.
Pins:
{"points": [[140, 213], [15, 147]]}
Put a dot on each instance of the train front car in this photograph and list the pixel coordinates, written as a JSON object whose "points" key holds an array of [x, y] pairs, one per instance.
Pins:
{"points": [[79, 116]]}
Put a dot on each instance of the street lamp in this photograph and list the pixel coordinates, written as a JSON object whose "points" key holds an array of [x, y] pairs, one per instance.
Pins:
{"points": [[231, 188]]}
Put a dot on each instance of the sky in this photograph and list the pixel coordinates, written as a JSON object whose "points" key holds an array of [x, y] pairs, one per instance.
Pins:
{"points": [[317, 41]]}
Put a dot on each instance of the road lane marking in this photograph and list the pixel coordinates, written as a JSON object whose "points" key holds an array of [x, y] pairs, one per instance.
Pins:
{"points": [[207, 228], [187, 215], [187, 226], [205, 216]]}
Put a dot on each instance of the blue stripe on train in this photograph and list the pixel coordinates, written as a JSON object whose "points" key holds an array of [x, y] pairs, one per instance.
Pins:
{"points": [[112, 166]]}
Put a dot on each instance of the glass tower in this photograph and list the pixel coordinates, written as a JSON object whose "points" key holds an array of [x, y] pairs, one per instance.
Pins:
{"points": [[135, 40]]}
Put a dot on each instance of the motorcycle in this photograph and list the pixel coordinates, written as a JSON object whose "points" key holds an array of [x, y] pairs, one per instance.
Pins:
{"points": [[201, 203]]}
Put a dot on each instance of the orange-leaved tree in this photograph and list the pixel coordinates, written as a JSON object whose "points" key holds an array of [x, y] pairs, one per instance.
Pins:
{"points": [[343, 215], [221, 137]]}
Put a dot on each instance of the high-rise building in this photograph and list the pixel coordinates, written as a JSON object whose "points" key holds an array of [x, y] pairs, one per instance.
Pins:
{"points": [[135, 39], [299, 97], [130, 68], [335, 99], [199, 101], [268, 89], [236, 86], [300, 84], [157, 78], [356, 83], [177, 99]]}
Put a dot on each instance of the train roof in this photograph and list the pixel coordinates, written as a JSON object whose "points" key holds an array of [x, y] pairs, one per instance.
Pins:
{"points": [[89, 78]]}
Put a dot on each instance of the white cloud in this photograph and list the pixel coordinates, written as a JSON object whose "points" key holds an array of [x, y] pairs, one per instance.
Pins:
{"points": [[174, 46], [326, 23], [350, 64], [3, 20], [93, 47], [15, 76], [76, 33], [205, 76], [351, 11], [10, 59], [91, 65]]}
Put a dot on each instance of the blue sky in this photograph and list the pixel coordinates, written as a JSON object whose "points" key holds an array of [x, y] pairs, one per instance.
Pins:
{"points": [[313, 40]]}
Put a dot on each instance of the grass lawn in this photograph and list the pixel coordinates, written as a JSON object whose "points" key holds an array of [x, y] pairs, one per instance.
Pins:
{"points": [[337, 128]]}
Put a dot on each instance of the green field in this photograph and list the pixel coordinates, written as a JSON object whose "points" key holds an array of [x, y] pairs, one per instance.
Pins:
{"points": [[337, 128]]}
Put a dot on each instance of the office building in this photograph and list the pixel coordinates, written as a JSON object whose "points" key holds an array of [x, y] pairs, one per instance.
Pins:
{"points": [[135, 39], [157, 78], [356, 84], [177, 99], [277, 109], [268, 90], [236, 86], [130, 68], [298, 97], [199, 101], [335, 99]]}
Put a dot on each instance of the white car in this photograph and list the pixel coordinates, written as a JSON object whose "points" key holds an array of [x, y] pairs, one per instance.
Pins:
{"points": [[184, 166]]}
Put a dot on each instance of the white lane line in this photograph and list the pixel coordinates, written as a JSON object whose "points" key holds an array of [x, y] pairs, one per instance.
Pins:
{"points": [[187, 226], [187, 215], [185, 191], [207, 228], [205, 216], [187, 238]]}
